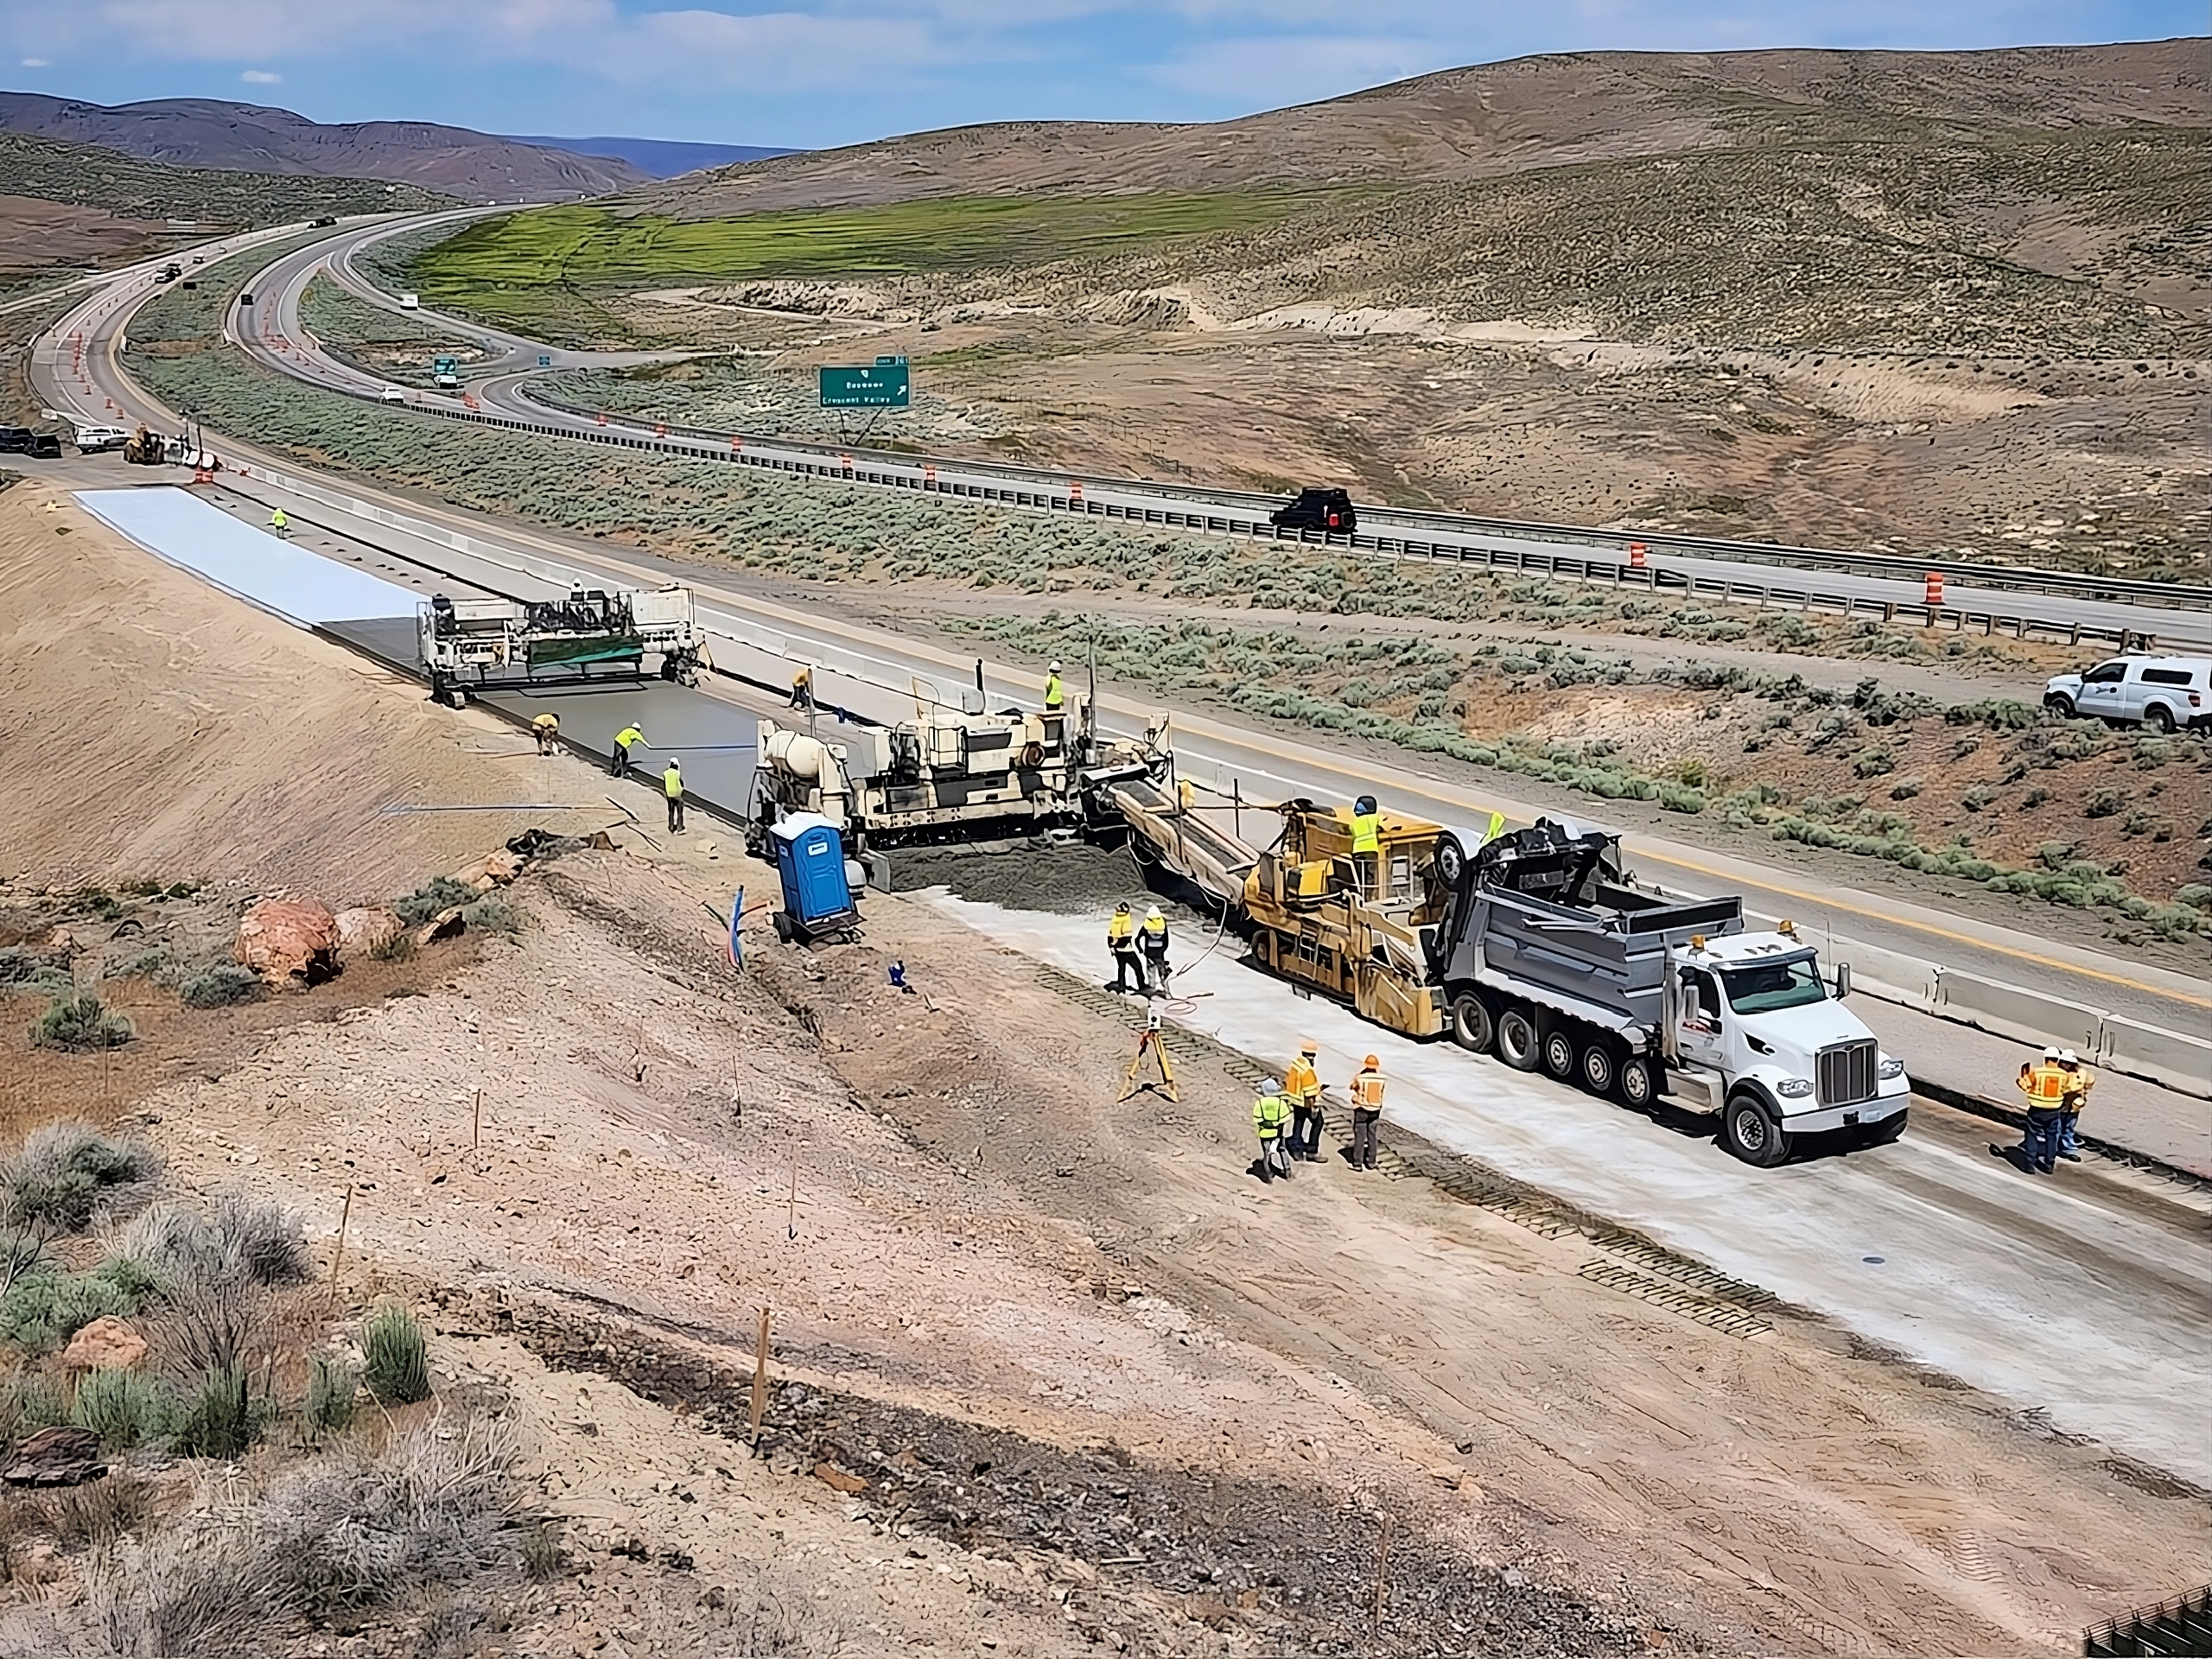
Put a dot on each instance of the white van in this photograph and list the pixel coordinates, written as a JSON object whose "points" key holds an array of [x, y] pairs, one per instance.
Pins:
{"points": [[2166, 693]]}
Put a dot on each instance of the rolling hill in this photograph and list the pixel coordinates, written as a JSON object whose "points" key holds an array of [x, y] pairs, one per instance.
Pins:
{"points": [[661, 158], [249, 137]]}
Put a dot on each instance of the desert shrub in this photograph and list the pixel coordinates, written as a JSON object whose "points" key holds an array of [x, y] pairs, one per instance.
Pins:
{"points": [[219, 985], [491, 914], [65, 1172], [440, 892], [264, 1240], [2104, 803], [395, 1355], [1690, 772], [29, 1402], [1674, 798], [217, 1418], [246, 1241], [1873, 762], [46, 1306], [1904, 789], [2035, 797], [80, 1025], [122, 1408], [1977, 797], [400, 947], [540, 1551], [98, 1511], [333, 1392], [2196, 895], [24, 973], [156, 962]]}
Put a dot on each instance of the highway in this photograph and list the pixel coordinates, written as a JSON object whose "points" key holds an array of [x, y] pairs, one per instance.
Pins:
{"points": [[2175, 616], [2067, 1296]]}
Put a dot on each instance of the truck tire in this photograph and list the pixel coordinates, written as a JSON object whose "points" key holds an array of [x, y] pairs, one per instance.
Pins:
{"points": [[2160, 719], [1472, 1027], [1516, 1038], [1637, 1085], [1559, 1053], [1749, 1131], [2060, 704], [1599, 1065]]}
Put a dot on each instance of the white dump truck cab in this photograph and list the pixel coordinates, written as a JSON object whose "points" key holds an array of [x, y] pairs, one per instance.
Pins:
{"points": [[1754, 1031]]}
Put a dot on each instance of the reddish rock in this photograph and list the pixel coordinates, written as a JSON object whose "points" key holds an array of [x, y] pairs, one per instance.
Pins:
{"points": [[107, 1344], [56, 1457], [364, 929], [289, 942]]}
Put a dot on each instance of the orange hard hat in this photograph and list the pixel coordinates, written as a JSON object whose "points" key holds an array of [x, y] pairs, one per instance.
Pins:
{"points": [[1372, 1064], [1309, 1046]]}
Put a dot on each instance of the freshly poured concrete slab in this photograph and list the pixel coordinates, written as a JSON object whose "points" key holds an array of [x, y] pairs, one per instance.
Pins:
{"points": [[263, 569]]}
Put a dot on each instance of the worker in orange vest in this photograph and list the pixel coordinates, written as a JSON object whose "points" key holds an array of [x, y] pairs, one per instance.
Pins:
{"points": [[2079, 1081], [1301, 1082], [1366, 1111], [2044, 1083]]}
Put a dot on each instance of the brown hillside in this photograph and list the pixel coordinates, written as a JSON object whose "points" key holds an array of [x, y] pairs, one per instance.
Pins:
{"points": [[1463, 124]]}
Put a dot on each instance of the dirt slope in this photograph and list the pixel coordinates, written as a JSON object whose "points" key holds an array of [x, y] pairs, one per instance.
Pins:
{"points": [[158, 728], [1479, 122]]}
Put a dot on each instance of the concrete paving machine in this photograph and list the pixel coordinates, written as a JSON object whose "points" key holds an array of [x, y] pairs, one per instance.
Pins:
{"points": [[951, 773], [488, 644]]}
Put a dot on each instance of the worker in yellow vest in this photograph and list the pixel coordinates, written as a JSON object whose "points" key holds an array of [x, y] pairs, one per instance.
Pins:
{"points": [[671, 785], [625, 740], [1271, 1122], [1186, 796], [280, 522], [1367, 845], [1121, 940], [803, 690], [1054, 696], [546, 729], [1301, 1081], [2079, 1081], [1366, 1111], [2044, 1084]]}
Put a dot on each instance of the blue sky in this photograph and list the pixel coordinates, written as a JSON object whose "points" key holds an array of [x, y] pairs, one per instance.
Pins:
{"points": [[810, 72]]}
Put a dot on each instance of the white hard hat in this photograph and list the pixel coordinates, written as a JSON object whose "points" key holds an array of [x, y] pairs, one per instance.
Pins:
{"points": [[2050, 1053], [1153, 915], [2067, 1056], [1056, 665], [1272, 1086], [673, 761]]}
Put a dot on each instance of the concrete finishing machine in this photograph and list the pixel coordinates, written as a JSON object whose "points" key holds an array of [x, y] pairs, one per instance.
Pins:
{"points": [[497, 644], [1534, 946]]}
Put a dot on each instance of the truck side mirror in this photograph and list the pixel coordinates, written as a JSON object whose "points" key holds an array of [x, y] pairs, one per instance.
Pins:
{"points": [[1842, 981]]}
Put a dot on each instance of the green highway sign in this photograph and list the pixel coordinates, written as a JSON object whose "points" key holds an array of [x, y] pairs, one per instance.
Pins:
{"points": [[882, 386], [441, 366]]}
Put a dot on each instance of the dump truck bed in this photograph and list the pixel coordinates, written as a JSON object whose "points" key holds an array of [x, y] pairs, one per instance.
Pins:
{"points": [[1208, 857]]}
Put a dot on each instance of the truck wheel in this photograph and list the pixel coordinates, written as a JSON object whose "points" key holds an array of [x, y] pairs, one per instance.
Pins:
{"points": [[2161, 718], [1749, 1131], [2060, 704], [1638, 1084], [1559, 1055], [1516, 1039], [1472, 1027], [1599, 1067]]}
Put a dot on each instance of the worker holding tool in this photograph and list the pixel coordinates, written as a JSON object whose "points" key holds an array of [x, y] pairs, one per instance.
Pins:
{"points": [[803, 690], [280, 524], [1121, 940], [1366, 1111], [2076, 1095], [623, 741], [671, 785], [1301, 1082], [1152, 939], [1270, 1121], [1367, 844], [546, 729]]}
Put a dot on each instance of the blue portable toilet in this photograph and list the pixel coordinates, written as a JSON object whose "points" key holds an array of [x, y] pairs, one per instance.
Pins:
{"points": [[811, 863]]}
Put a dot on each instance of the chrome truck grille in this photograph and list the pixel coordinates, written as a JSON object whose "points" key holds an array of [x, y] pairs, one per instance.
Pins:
{"points": [[1844, 1074]]}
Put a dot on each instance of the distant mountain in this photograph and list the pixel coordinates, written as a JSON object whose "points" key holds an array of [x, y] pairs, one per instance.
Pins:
{"points": [[248, 138], [662, 158]]}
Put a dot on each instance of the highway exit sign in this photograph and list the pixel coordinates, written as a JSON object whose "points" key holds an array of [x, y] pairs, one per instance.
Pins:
{"points": [[882, 384]]}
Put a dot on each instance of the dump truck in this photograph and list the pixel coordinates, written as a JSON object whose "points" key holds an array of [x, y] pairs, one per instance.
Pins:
{"points": [[1535, 946]]}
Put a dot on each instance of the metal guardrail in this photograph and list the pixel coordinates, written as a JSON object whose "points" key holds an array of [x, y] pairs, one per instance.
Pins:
{"points": [[1064, 495], [2181, 1624]]}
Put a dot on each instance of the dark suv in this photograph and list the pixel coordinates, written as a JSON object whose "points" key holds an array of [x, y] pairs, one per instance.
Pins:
{"points": [[1327, 510], [14, 440]]}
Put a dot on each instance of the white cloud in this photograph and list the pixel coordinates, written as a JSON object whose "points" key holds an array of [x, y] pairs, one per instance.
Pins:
{"points": [[261, 78], [34, 63]]}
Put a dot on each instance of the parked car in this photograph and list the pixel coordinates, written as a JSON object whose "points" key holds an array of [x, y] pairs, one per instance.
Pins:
{"points": [[392, 394], [1328, 509], [14, 440], [2161, 692], [44, 446], [92, 440]]}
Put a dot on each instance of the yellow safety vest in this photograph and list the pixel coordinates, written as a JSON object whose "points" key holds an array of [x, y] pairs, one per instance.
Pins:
{"points": [[1300, 1082], [627, 736], [1268, 1113], [547, 723], [672, 783], [2075, 1093], [1120, 928], [1156, 932], [1367, 832], [1367, 1091], [1051, 691], [278, 519]]}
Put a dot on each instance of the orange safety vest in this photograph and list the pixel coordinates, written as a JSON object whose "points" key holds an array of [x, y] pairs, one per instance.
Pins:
{"points": [[1367, 1091], [2044, 1085], [1300, 1082]]}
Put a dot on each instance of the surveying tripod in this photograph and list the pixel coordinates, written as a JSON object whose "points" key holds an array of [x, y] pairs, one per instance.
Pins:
{"points": [[1152, 1044]]}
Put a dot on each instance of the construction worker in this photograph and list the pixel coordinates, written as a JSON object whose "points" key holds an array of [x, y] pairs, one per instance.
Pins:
{"points": [[803, 690], [1054, 696], [2079, 1081], [1301, 1081], [1185, 795], [2043, 1083], [1367, 844], [1366, 1111], [671, 785], [1121, 940], [280, 524], [1152, 940], [629, 735], [546, 729], [1270, 1121]]}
